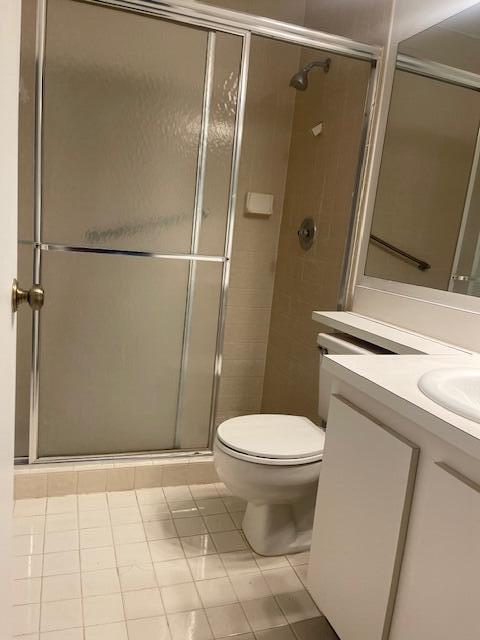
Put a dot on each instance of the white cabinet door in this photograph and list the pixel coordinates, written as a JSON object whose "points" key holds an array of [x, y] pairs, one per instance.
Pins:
{"points": [[439, 592], [9, 78], [363, 502]]}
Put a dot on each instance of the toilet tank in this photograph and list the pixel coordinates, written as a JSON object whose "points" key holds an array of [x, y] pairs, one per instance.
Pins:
{"points": [[339, 344]]}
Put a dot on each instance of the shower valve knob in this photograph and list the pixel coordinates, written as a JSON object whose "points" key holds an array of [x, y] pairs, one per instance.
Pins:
{"points": [[35, 296]]}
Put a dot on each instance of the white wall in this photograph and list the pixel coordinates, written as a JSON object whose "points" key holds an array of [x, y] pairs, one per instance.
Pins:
{"points": [[408, 18], [9, 74]]}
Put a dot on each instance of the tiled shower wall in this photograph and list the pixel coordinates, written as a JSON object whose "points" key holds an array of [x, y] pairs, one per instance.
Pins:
{"points": [[320, 183]]}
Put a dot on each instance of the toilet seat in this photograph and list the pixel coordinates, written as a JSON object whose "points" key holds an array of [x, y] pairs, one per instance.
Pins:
{"points": [[272, 439]]}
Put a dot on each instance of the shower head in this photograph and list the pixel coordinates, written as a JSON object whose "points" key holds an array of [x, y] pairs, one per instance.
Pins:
{"points": [[299, 80]]}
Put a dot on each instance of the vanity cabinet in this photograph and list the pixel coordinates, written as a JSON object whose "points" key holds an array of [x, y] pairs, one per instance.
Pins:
{"points": [[440, 578], [396, 540], [361, 514]]}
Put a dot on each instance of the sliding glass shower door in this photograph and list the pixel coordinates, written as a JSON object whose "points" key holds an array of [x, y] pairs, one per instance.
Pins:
{"points": [[136, 129]]}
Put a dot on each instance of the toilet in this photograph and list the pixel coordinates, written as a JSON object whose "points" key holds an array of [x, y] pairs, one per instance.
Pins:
{"points": [[273, 462]]}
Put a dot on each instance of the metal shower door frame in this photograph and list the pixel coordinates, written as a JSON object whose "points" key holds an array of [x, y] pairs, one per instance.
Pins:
{"points": [[214, 19], [39, 247]]}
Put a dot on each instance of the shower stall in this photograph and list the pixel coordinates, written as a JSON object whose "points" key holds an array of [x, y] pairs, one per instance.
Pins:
{"points": [[131, 141]]}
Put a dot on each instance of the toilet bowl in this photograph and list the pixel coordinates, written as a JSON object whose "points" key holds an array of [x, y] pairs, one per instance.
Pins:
{"points": [[273, 462]]}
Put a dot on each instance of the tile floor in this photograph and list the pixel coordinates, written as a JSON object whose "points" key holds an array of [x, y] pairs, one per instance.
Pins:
{"points": [[153, 564]]}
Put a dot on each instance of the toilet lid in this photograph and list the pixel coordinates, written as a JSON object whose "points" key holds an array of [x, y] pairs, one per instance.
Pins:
{"points": [[273, 436]]}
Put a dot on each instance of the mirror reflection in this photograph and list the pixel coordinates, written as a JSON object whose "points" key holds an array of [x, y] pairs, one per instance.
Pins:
{"points": [[426, 223]]}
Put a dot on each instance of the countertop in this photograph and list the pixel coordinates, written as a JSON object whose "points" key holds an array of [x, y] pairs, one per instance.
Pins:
{"points": [[392, 381]]}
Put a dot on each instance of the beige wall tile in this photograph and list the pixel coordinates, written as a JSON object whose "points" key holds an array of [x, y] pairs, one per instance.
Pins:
{"points": [[121, 479], [92, 481], [175, 474], [202, 473], [62, 483], [30, 485], [149, 476]]}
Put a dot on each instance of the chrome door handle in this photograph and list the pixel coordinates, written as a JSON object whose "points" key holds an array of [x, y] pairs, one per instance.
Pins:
{"points": [[35, 296]]}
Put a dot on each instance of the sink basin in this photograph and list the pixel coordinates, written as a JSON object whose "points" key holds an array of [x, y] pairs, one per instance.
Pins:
{"points": [[455, 389]]}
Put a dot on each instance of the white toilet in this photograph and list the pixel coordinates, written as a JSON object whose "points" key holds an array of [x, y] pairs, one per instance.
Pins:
{"points": [[273, 462]]}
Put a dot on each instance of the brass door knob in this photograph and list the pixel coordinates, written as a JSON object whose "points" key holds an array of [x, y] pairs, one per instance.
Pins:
{"points": [[35, 296]]}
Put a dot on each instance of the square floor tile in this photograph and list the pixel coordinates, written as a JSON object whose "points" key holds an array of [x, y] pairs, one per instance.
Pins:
{"points": [[190, 526], [177, 494], [216, 592], [118, 499], [296, 559], [27, 567], [61, 587], [250, 586], [180, 597], [160, 530], [279, 633], [206, 567], [283, 580], [137, 577], [302, 572], [26, 619], [92, 502], [219, 522], [152, 495], [61, 522], [186, 509], [98, 558], [222, 489], [270, 562], [148, 629], [201, 545], [172, 572], [28, 525], [237, 517], [103, 609], [204, 491], [61, 541], [146, 603], [298, 606], [263, 613], [29, 545], [239, 562], [211, 506], [234, 504], [133, 553], [155, 512], [229, 541], [61, 562], [314, 629], [127, 533], [63, 634], [168, 549], [96, 537], [62, 504], [228, 620], [65, 614], [30, 507], [113, 631], [100, 583], [27, 591], [125, 515], [91, 519], [191, 625]]}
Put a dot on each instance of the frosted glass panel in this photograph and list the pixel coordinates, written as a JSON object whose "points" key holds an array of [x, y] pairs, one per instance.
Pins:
{"points": [[110, 353], [220, 144], [122, 117], [196, 398]]}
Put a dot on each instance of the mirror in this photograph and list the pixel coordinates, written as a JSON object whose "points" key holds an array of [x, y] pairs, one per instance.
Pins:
{"points": [[426, 222]]}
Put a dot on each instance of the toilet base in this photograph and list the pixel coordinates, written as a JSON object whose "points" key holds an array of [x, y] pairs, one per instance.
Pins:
{"points": [[279, 529]]}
